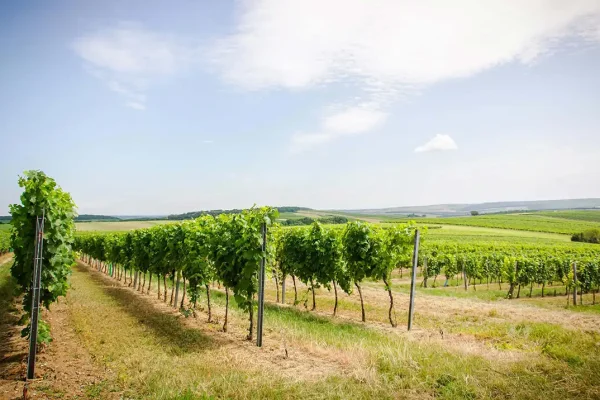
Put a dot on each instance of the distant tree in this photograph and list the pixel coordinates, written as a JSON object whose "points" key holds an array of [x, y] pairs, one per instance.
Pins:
{"points": [[588, 236], [473, 213]]}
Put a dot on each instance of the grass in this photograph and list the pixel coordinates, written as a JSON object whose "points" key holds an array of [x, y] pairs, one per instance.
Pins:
{"points": [[150, 352], [161, 355], [290, 215], [471, 233], [523, 222], [578, 215], [117, 225], [8, 288]]}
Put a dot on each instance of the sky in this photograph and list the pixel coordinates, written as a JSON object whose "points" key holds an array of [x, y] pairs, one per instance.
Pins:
{"points": [[147, 107]]}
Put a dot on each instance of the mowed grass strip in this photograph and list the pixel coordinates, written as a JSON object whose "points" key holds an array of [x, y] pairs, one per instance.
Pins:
{"points": [[117, 226], [156, 354]]}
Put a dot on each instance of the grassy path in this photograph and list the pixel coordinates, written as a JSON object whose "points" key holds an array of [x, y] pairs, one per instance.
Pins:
{"points": [[129, 345]]}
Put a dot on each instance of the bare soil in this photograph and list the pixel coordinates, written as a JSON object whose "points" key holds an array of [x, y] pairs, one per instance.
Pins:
{"points": [[63, 370]]}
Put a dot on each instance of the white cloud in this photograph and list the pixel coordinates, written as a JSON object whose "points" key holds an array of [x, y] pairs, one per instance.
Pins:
{"points": [[301, 43], [438, 143], [354, 120], [350, 121], [136, 106], [385, 48], [129, 58]]}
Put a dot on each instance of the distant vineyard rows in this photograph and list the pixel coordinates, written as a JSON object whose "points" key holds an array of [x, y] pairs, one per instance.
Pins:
{"points": [[523, 222]]}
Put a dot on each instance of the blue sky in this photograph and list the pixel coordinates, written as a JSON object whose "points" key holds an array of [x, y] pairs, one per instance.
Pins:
{"points": [[153, 107]]}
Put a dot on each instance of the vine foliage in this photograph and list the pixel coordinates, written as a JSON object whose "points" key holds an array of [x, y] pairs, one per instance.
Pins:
{"points": [[42, 194]]}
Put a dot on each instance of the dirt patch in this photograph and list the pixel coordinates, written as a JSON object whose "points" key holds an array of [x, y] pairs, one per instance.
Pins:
{"points": [[63, 370], [5, 258]]}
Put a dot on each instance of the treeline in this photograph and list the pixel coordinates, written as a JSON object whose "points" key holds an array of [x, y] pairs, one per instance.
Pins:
{"points": [[93, 217], [214, 213], [587, 236], [330, 219]]}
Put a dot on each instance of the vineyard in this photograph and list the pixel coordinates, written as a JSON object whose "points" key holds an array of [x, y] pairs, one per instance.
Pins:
{"points": [[169, 310], [4, 241], [226, 249], [578, 215], [535, 222], [198, 253]]}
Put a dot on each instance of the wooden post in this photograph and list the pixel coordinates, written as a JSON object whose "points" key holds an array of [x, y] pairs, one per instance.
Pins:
{"points": [[283, 290], [411, 307]]}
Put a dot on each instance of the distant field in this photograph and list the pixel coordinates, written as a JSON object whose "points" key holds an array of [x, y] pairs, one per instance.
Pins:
{"points": [[530, 227], [525, 222], [578, 215], [471, 233], [117, 226], [290, 215]]}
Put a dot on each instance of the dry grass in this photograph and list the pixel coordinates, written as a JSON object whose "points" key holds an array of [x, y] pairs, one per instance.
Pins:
{"points": [[434, 312], [322, 353], [135, 346], [114, 226]]}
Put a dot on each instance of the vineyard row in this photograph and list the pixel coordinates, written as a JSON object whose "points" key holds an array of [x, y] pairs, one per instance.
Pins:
{"points": [[227, 250]]}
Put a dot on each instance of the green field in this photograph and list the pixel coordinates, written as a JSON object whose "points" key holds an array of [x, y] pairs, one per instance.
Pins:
{"points": [[524, 222], [578, 215], [461, 233], [542, 226], [118, 225], [467, 344]]}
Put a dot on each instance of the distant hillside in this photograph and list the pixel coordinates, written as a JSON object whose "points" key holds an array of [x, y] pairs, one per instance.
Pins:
{"points": [[80, 218], [196, 214], [484, 208], [92, 217]]}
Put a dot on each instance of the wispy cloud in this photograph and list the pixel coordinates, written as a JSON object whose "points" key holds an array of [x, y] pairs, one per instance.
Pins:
{"points": [[438, 143], [350, 121], [208, 141], [386, 48], [129, 58], [136, 106], [297, 44]]}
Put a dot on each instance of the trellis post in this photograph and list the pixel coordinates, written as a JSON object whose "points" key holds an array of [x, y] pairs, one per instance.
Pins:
{"points": [[413, 280]]}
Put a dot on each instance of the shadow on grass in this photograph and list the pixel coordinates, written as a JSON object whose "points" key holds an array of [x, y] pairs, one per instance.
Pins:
{"points": [[10, 355], [299, 316], [167, 329]]}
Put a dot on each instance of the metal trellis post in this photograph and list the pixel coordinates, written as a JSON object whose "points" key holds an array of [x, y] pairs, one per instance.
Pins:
{"points": [[574, 283], [35, 293], [261, 288], [411, 308]]}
